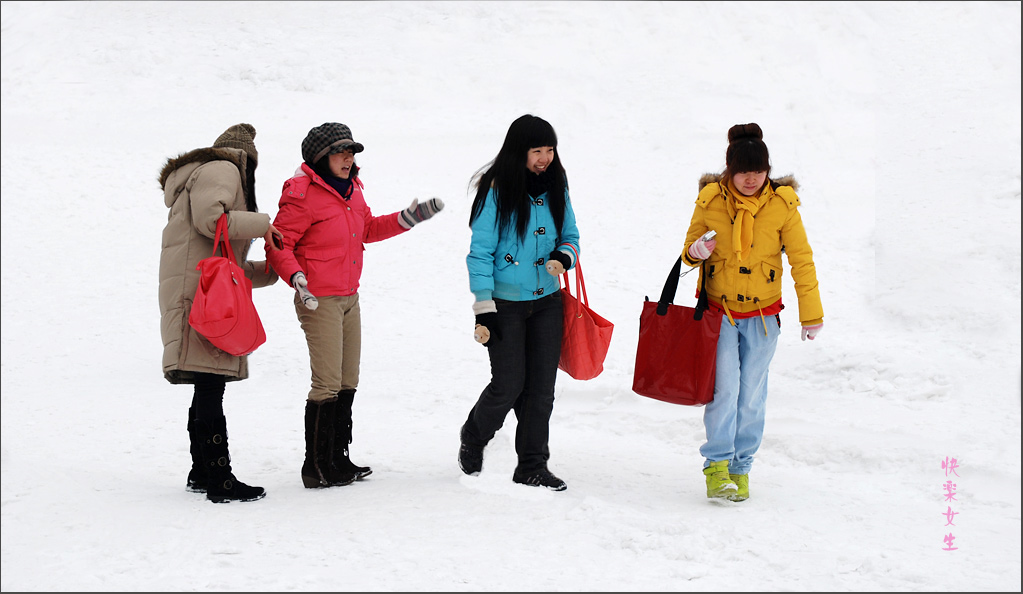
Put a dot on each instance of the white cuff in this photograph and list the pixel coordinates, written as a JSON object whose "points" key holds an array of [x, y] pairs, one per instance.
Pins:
{"points": [[482, 307]]}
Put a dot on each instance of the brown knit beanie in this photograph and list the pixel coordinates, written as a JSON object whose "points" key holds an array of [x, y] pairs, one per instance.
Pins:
{"points": [[240, 136]]}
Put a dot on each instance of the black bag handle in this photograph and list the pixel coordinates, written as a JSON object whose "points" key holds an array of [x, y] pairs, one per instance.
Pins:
{"points": [[671, 286]]}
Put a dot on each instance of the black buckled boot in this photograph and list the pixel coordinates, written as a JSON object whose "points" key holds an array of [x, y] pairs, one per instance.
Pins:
{"points": [[318, 470], [222, 487], [343, 437], [198, 477]]}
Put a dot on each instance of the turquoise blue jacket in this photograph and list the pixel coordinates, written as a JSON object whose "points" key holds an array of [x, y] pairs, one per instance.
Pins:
{"points": [[503, 267]]}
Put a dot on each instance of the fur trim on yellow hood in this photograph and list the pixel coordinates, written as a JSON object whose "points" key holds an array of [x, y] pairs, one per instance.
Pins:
{"points": [[785, 180]]}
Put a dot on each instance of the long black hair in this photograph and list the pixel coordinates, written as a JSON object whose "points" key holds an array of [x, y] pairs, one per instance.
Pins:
{"points": [[507, 174], [250, 185]]}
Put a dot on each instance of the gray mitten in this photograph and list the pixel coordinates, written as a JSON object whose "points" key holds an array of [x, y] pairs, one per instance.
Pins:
{"points": [[301, 285], [417, 213]]}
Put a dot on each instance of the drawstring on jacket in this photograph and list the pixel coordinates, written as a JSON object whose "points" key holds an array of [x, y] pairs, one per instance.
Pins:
{"points": [[761, 310], [728, 313]]}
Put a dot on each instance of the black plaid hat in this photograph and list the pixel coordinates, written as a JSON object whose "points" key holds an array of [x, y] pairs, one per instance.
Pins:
{"points": [[328, 139]]}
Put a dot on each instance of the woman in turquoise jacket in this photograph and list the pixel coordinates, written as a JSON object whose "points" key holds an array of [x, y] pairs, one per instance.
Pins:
{"points": [[523, 237]]}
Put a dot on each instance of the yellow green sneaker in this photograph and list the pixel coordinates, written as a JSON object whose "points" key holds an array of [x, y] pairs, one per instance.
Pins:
{"points": [[742, 482], [719, 484]]}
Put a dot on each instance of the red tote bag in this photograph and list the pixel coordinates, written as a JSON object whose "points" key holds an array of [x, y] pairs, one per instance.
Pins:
{"points": [[222, 310], [586, 335], [677, 353]]}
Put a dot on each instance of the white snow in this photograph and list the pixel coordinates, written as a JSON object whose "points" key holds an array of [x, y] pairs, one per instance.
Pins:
{"points": [[901, 122]]}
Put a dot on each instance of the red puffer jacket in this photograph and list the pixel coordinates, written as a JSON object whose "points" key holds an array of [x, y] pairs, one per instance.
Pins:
{"points": [[324, 234]]}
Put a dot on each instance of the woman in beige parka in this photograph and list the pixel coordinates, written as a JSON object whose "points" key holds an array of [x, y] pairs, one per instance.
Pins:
{"points": [[199, 186], [756, 220]]}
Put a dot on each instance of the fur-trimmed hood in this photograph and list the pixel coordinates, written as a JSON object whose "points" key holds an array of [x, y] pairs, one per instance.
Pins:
{"points": [[785, 180], [201, 156]]}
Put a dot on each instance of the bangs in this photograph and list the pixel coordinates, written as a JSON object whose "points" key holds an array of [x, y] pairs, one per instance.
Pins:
{"points": [[747, 156], [543, 136], [538, 132]]}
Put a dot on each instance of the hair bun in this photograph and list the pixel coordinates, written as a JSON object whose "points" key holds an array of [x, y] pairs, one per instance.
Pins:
{"points": [[745, 132], [746, 150]]}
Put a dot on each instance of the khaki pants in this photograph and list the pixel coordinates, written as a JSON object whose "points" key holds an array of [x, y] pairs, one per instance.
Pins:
{"points": [[333, 333]]}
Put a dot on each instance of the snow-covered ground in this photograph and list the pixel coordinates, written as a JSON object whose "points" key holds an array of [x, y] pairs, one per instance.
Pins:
{"points": [[901, 122]]}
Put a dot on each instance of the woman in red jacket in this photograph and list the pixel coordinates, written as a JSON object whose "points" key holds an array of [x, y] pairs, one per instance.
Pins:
{"points": [[325, 222]]}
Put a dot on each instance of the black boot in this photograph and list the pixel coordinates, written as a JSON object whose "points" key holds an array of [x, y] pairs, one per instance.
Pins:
{"points": [[318, 470], [470, 456], [343, 437], [222, 487], [198, 476]]}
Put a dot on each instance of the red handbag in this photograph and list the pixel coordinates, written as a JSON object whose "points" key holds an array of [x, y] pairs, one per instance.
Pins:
{"points": [[586, 335], [677, 353], [222, 310]]}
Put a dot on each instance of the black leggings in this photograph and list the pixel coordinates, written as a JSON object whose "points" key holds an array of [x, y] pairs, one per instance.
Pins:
{"points": [[208, 400]]}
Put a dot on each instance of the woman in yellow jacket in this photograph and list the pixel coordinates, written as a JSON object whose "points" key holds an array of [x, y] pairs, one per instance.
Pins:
{"points": [[755, 220]]}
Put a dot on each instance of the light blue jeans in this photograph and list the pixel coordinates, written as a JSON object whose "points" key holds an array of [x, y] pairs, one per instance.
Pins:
{"points": [[734, 420]]}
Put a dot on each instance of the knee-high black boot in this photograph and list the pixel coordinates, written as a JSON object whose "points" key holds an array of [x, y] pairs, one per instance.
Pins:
{"points": [[198, 476], [343, 437], [223, 487], [318, 470]]}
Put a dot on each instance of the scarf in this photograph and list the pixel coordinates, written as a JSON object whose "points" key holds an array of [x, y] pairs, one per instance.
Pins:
{"points": [[537, 184], [742, 209], [341, 185]]}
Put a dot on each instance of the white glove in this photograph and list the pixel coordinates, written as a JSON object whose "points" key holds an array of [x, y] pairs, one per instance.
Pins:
{"points": [[301, 285], [811, 332]]}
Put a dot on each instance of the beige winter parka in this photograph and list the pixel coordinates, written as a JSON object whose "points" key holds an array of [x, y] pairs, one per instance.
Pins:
{"points": [[756, 282], [198, 187]]}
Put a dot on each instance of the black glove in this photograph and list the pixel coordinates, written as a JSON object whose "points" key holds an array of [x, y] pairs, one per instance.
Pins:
{"points": [[558, 262], [486, 332]]}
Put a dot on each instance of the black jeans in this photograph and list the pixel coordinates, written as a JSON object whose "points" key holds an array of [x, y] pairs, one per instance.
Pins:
{"points": [[523, 368]]}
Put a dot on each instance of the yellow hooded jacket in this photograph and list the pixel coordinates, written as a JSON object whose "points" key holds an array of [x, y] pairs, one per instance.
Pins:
{"points": [[755, 282]]}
